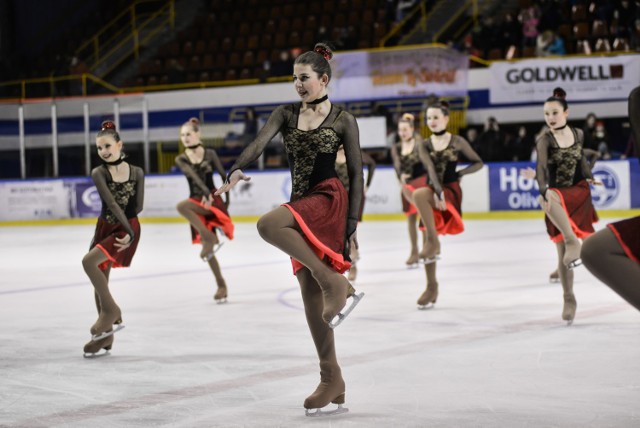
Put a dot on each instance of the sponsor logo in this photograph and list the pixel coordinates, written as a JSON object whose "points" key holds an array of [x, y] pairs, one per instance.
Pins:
{"points": [[565, 74], [605, 194], [522, 193], [91, 198]]}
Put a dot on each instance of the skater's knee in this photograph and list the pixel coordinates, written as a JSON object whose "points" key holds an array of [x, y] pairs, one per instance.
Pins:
{"points": [[88, 263], [265, 226], [183, 206], [423, 194]]}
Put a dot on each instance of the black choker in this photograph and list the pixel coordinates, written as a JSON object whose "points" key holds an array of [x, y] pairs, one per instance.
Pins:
{"points": [[560, 128], [439, 133], [195, 146], [319, 100], [114, 163]]}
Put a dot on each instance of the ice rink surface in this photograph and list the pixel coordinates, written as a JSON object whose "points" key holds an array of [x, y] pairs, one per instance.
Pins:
{"points": [[494, 351]]}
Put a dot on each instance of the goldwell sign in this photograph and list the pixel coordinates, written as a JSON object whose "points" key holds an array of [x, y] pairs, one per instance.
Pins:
{"points": [[584, 79]]}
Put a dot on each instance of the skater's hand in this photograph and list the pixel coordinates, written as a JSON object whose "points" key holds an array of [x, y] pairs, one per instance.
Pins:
{"points": [[594, 182], [440, 202], [528, 173], [207, 201], [544, 203], [404, 177], [123, 243], [232, 180]]}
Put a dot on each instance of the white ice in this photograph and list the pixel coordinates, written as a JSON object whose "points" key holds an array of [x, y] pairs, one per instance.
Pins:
{"points": [[493, 352]]}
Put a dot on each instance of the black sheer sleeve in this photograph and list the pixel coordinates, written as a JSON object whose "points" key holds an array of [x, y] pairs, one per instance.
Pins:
{"points": [[634, 116], [347, 127], [187, 169], [471, 155], [99, 176], [427, 163], [217, 164], [368, 161], [275, 122], [542, 165], [139, 177]]}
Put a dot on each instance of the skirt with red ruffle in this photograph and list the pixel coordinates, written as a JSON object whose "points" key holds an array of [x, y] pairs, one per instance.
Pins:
{"points": [[407, 207], [105, 239], [576, 201], [322, 217], [449, 221], [218, 218], [627, 233]]}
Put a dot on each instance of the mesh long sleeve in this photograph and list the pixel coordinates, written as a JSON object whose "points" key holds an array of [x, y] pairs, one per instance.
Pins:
{"points": [[347, 127], [471, 155], [427, 162], [542, 165], [217, 164], [139, 177], [275, 122], [99, 176]]}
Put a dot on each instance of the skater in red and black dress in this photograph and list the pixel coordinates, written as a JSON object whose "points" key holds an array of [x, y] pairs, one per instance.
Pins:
{"points": [[121, 189], [412, 175], [206, 212], [319, 224], [562, 172], [440, 202], [343, 174], [613, 253]]}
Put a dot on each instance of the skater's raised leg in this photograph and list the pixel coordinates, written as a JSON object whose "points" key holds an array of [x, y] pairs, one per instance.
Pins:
{"points": [[566, 279], [607, 261], [110, 314], [423, 199], [280, 229], [190, 211], [560, 219], [332, 387]]}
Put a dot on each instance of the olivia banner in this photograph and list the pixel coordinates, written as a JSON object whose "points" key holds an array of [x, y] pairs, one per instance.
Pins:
{"points": [[398, 73], [583, 79]]}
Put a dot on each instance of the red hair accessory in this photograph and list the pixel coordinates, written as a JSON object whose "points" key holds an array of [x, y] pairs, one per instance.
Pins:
{"points": [[108, 124], [324, 51], [559, 93]]}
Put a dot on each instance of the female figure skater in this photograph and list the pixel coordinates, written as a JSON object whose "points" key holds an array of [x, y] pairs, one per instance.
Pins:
{"points": [[613, 254], [205, 211], [121, 189], [562, 172], [319, 224], [343, 175], [440, 203], [410, 173]]}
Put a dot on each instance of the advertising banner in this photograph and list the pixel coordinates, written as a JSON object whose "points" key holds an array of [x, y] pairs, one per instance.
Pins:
{"points": [[397, 73], [34, 200], [508, 190], [583, 79]]}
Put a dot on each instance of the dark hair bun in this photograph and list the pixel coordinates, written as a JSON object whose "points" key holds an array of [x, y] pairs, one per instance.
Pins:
{"points": [[323, 49], [444, 104], [194, 120], [559, 93], [108, 124]]}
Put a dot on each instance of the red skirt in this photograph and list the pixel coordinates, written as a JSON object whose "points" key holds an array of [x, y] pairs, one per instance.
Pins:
{"points": [[407, 207], [322, 217], [449, 221], [105, 239], [628, 234], [576, 201], [217, 218]]}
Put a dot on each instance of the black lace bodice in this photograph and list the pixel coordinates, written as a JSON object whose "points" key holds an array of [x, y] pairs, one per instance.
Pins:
{"points": [[200, 175], [561, 167]]}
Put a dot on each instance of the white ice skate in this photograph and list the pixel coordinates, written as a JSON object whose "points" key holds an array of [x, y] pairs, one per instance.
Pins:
{"points": [[101, 353], [116, 327], [429, 260], [574, 264], [337, 320], [324, 412]]}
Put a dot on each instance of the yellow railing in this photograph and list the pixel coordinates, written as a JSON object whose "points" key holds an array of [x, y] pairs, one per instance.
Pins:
{"points": [[100, 52]]}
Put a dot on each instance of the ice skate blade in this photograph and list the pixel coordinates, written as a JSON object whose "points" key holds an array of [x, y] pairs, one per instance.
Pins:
{"points": [[221, 301], [430, 260], [314, 413], [429, 305], [574, 264], [101, 353], [569, 322], [412, 265], [554, 280], [337, 320], [116, 327]]}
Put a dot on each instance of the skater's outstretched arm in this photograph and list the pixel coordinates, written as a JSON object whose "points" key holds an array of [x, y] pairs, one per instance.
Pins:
{"points": [[99, 176], [276, 121], [471, 155]]}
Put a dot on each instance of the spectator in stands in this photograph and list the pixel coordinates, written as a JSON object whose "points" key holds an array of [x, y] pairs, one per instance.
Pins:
{"points": [[555, 44], [589, 130], [522, 145], [529, 19], [492, 143], [601, 140]]}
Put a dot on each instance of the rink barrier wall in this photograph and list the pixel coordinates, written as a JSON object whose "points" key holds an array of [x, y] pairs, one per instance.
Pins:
{"points": [[496, 188]]}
